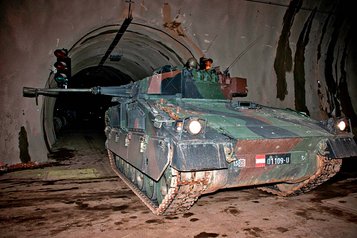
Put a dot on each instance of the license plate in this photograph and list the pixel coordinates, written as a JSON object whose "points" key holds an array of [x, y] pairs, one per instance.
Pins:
{"points": [[276, 159]]}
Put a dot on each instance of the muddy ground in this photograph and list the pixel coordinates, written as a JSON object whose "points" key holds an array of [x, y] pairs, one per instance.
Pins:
{"points": [[81, 197]]}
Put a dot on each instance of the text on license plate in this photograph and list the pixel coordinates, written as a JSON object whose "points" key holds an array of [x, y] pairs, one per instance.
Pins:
{"points": [[276, 159]]}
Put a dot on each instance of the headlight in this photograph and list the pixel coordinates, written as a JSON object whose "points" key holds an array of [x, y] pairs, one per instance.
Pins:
{"points": [[341, 125], [338, 125], [191, 125], [194, 127]]}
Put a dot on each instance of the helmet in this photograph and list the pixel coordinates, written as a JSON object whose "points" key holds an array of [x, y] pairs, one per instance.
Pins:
{"points": [[192, 63]]}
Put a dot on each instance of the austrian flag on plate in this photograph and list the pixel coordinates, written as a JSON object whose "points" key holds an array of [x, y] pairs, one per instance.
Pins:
{"points": [[260, 161]]}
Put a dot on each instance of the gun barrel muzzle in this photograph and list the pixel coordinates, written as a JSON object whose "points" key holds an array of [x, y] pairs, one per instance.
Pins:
{"points": [[29, 92]]}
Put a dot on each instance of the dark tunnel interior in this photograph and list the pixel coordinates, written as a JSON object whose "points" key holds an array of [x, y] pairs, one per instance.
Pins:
{"points": [[138, 53], [83, 111]]}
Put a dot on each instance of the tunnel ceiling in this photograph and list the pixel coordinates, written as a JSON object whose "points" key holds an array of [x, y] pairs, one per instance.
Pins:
{"points": [[141, 50]]}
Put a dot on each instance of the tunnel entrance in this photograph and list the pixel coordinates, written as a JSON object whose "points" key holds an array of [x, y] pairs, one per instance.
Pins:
{"points": [[84, 111], [141, 50]]}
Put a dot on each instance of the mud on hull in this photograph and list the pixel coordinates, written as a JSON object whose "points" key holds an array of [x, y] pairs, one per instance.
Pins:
{"points": [[175, 192]]}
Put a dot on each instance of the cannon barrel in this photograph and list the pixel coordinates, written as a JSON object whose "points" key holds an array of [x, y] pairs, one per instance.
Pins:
{"points": [[34, 92], [129, 90]]}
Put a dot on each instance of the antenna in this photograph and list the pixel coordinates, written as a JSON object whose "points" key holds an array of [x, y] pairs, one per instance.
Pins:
{"points": [[212, 41], [241, 54]]}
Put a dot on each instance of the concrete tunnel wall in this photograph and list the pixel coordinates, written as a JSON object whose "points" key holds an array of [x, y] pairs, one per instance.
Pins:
{"points": [[303, 55]]}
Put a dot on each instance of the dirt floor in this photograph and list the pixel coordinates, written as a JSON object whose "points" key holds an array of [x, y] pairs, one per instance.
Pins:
{"points": [[81, 197]]}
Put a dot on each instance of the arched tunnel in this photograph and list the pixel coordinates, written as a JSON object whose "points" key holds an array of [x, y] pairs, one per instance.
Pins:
{"points": [[142, 49]]}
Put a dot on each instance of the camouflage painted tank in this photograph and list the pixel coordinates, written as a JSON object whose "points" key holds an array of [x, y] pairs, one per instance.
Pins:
{"points": [[179, 134]]}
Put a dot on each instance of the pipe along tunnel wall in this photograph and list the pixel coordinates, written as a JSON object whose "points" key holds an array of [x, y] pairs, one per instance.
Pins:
{"points": [[304, 57]]}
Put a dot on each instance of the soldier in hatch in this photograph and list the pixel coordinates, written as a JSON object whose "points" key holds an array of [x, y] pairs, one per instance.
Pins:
{"points": [[205, 63]]}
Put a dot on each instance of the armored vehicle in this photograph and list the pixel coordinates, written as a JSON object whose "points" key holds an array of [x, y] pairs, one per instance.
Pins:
{"points": [[182, 132]]}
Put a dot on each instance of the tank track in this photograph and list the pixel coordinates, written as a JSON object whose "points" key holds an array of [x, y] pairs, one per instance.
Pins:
{"points": [[327, 168], [185, 188]]}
